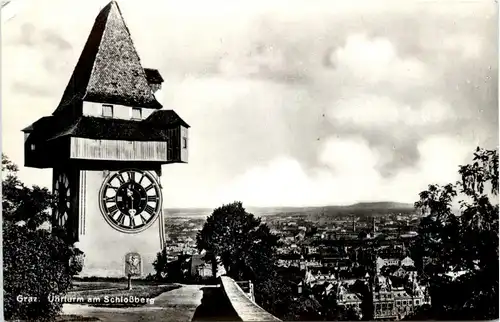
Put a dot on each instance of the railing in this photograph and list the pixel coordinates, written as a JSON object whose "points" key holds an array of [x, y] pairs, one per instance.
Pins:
{"points": [[247, 287], [244, 306]]}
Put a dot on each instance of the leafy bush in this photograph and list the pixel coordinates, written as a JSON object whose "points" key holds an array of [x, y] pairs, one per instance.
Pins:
{"points": [[37, 262], [465, 243], [160, 264]]}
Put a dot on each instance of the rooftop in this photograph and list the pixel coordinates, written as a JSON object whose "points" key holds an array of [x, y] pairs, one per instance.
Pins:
{"points": [[109, 69], [153, 76], [154, 128]]}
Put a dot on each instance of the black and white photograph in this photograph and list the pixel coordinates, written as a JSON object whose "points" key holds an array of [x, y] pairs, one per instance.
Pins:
{"points": [[279, 160]]}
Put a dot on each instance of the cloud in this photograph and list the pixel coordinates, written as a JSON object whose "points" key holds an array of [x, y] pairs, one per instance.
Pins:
{"points": [[376, 60], [310, 94], [350, 156], [56, 40], [33, 72], [469, 45], [264, 62], [376, 112], [28, 89], [29, 35], [283, 181], [38, 60]]}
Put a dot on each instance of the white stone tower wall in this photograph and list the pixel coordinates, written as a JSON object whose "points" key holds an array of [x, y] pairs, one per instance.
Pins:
{"points": [[105, 247]]}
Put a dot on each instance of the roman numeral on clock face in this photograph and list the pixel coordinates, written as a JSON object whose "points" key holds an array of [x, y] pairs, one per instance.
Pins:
{"points": [[131, 175], [120, 219], [152, 198], [113, 209], [143, 219], [150, 210], [120, 178], [109, 185], [109, 199]]}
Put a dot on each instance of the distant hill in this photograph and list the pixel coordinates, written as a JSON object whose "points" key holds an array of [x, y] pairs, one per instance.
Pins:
{"points": [[361, 208], [381, 205]]}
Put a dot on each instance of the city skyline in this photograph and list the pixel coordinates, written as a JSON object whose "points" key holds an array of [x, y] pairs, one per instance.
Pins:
{"points": [[290, 104]]}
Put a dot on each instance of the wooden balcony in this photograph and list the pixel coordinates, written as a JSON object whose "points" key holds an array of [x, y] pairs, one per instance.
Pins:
{"points": [[114, 150], [92, 154]]}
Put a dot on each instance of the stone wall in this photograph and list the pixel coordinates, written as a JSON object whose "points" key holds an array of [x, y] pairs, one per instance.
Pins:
{"points": [[246, 309]]}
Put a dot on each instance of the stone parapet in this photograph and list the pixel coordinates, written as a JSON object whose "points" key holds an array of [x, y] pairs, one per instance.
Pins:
{"points": [[246, 309]]}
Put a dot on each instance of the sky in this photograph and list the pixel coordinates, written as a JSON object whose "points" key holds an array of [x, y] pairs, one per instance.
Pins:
{"points": [[291, 103]]}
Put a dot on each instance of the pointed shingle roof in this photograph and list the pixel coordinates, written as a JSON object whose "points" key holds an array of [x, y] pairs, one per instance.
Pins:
{"points": [[109, 69]]}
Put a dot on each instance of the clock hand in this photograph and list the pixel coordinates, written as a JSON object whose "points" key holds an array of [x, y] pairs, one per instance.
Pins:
{"points": [[131, 210]]}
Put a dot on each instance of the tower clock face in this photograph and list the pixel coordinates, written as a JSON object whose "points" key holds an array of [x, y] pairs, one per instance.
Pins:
{"points": [[130, 200], [62, 194]]}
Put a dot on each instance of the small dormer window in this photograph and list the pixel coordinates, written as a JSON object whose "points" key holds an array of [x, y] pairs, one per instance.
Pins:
{"points": [[184, 143], [107, 110], [32, 147], [136, 113]]}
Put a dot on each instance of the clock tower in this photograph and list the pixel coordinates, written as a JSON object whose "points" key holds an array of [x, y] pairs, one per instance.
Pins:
{"points": [[106, 142]]}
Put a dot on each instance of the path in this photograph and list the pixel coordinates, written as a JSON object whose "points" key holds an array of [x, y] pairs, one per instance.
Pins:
{"points": [[177, 305]]}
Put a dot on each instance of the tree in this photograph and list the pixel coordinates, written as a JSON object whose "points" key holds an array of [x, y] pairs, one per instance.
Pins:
{"points": [[465, 243], [245, 245], [331, 310], [277, 295], [274, 295], [311, 231], [37, 262], [20, 204], [303, 308], [247, 250], [161, 264], [362, 234]]}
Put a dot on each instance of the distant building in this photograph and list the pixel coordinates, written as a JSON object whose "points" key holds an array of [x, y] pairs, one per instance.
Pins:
{"points": [[405, 272], [407, 261], [454, 275], [318, 278], [312, 250], [383, 303], [312, 263], [392, 303], [347, 299], [409, 235], [339, 263], [300, 236], [382, 262], [405, 303], [204, 271], [193, 267], [198, 267], [289, 260]]}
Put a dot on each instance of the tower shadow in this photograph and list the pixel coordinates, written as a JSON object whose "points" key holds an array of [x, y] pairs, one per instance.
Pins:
{"points": [[215, 306]]}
